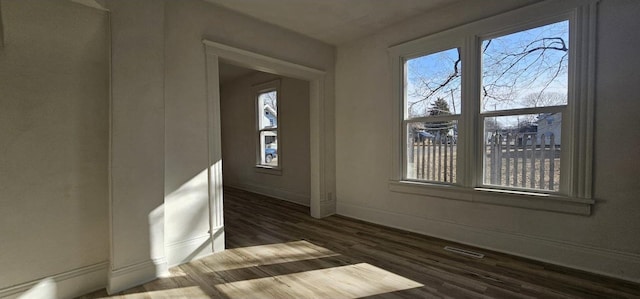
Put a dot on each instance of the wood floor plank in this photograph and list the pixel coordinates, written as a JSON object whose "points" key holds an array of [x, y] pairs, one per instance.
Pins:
{"points": [[276, 250]]}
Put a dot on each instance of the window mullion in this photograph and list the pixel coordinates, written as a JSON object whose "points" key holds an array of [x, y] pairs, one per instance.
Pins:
{"points": [[405, 142], [470, 108]]}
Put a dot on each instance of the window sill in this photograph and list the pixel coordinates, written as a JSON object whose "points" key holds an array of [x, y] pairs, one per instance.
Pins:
{"points": [[268, 170], [526, 200]]}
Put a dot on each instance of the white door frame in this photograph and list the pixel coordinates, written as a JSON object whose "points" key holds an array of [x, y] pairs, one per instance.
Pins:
{"points": [[215, 51]]}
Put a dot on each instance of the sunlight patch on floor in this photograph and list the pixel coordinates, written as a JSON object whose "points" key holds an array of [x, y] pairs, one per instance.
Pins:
{"points": [[184, 292], [267, 255], [352, 281]]}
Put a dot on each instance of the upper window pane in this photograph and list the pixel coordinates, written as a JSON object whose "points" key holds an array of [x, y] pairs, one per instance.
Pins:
{"points": [[269, 114], [432, 84], [526, 69]]}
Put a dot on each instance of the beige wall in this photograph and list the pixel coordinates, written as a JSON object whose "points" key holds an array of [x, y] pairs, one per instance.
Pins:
{"points": [[54, 132], [606, 242], [239, 138]]}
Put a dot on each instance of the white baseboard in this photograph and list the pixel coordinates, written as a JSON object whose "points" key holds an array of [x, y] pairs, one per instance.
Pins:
{"points": [[282, 194], [622, 265], [68, 284], [136, 274], [187, 250]]}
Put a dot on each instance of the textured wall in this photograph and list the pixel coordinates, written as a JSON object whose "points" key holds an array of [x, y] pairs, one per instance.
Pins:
{"points": [[54, 132]]}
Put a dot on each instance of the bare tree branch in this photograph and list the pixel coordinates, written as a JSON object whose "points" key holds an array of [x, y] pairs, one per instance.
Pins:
{"points": [[456, 73]]}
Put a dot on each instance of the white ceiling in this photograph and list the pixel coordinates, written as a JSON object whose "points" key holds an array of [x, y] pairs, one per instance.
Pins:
{"points": [[332, 21]]}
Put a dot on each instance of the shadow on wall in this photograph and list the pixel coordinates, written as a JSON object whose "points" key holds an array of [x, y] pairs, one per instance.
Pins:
{"points": [[186, 220], [189, 204], [178, 231]]}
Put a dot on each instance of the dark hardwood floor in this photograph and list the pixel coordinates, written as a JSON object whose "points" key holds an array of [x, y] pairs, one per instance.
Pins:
{"points": [[275, 250]]}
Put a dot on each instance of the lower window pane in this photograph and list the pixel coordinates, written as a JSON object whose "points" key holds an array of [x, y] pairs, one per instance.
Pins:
{"points": [[432, 151], [269, 148], [523, 151]]}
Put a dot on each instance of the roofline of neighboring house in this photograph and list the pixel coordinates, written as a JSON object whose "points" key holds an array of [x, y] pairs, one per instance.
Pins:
{"points": [[270, 109]]}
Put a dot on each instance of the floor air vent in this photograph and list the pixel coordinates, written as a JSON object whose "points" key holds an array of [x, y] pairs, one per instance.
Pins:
{"points": [[464, 252]]}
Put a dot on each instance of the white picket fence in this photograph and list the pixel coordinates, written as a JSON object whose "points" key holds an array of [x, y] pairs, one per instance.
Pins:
{"points": [[521, 160], [524, 160], [433, 160]]}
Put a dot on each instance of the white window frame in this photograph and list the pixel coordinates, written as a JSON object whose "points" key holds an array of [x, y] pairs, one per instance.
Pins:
{"points": [[575, 195], [257, 91], [433, 46]]}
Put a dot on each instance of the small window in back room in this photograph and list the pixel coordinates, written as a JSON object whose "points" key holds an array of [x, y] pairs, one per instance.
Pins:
{"points": [[267, 117]]}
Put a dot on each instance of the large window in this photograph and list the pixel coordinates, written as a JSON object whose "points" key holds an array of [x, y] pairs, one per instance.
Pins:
{"points": [[503, 104], [267, 125]]}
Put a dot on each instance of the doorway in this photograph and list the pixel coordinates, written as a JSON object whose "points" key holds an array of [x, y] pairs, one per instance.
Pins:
{"points": [[265, 133], [215, 53]]}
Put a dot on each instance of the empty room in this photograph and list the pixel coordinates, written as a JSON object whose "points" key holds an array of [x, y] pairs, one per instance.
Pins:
{"points": [[319, 149]]}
